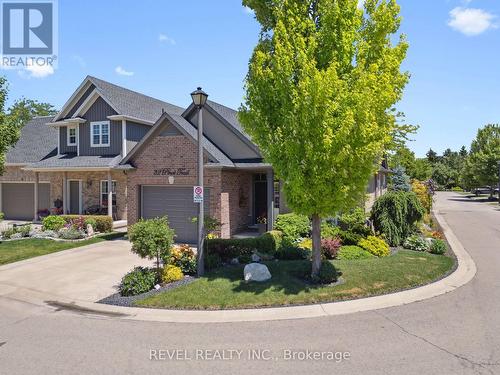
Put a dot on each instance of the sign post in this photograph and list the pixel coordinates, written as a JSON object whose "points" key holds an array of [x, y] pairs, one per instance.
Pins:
{"points": [[198, 194]]}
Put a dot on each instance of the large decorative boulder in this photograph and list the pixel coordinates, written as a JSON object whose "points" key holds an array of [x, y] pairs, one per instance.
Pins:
{"points": [[256, 272]]}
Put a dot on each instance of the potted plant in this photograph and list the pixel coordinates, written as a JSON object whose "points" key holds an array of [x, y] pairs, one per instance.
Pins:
{"points": [[262, 224]]}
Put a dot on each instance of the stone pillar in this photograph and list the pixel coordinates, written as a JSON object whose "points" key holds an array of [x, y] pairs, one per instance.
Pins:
{"points": [[110, 195], [270, 199], [65, 192], [35, 208]]}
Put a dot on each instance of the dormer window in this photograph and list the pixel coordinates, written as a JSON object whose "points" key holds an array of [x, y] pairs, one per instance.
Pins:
{"points": [[99, 133], [71, 135]]}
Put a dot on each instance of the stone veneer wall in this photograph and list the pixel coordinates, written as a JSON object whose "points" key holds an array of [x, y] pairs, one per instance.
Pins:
{"points": [[90, 185], [235, 200]]}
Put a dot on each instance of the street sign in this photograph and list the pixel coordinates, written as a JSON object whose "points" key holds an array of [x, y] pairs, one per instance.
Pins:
{"points": [[198, 194]]}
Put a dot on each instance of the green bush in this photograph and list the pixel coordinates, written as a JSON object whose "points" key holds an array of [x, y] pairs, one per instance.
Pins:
{"points": [[2, 216], [20, 231], [90, 221], [293, 226], [104, 224], [152, 239], [329, 230], [212, 261], [228, 249], [416, 243], [139, 280], [355, 222], [245, 259], [171, 273], [395, 215], [457, 189], [327, 273], [293, 253], [24, 230], [375, 246], [353, 253], [349, 238], [438, 247], [53, 222], [71, 234]]}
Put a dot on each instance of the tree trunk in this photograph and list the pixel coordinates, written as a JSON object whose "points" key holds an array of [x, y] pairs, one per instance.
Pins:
{"points": [[316, 242]]}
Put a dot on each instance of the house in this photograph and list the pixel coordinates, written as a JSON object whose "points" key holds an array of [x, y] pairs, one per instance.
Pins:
{"points": [[118, 152]]}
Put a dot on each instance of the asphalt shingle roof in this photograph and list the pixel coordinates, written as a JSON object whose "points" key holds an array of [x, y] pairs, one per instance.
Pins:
{"points": [[73, 161], [37, 141], [230, 115], [134, 104]]}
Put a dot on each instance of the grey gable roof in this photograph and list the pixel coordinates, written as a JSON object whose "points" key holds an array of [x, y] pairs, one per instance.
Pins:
{"points": [[37, 141], [69, 161], [187, 129], [134, 104]]}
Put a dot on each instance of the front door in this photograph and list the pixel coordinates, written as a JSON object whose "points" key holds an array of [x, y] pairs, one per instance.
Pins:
{"points": [[260, 196], [74, 197]]}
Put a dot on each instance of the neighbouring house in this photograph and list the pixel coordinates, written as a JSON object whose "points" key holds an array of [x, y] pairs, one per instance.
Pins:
{"points": [[117, 152]]}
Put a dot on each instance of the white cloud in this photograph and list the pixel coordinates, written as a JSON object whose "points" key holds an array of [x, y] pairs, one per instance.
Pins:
{"points": [[36, 71], [471, 21], [166, 39], [119, 70]]}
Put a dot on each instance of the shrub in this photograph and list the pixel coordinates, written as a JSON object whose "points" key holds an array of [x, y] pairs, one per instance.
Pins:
{"points": [[416, 243], [70, 234], [438, 247], [2, 216], [330, 247], [329, 230], [399, 180], [349, 238], [171, 273], [212, 261], [293, 253], [457, 189], [353, 253], [375, 246], [53, 222], [423, 194], [78, 223], [139, 280], [437, 235], [152, 239], [92, 222], [8, 233], [306, 243], [245, 259], [355, 222], [104, 223], [227, 249], [293, 226], [327, 273], [24, 230], [395, 215], [184, 258]]}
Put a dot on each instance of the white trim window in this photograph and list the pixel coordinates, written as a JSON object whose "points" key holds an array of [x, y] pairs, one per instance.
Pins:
{"points": [[99, 134], [71, 136], [104, 193]]}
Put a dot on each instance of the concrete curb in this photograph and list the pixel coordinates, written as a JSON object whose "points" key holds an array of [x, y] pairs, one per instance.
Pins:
{"points": [[464, 272]]}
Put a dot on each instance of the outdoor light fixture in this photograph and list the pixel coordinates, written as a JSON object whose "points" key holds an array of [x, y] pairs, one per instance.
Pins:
{"points": [[199, 97], [171, 180]]}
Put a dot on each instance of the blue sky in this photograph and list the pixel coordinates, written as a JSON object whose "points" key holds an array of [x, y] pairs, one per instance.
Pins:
{"points": [[167, 48]]}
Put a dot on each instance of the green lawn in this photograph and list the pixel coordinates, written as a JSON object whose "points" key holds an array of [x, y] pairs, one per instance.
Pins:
{"points": [[224, 288], [13, 251]]}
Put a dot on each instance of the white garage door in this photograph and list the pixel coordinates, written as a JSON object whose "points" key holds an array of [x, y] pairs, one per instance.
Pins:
{"points": [[18, 199], [177, 204]]}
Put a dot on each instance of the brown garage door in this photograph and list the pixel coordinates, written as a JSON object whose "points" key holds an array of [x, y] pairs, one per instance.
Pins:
{"points": [[18, 199], [177, 204]]}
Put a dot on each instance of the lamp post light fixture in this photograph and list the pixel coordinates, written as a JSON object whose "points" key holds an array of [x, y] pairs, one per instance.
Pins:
{"points": [[199, 99]]}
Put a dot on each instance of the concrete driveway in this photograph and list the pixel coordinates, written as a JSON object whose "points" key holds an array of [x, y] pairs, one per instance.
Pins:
{"points": [[456, 333], [88, 273]]}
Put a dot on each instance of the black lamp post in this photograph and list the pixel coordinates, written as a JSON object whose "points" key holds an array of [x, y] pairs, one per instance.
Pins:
{"points": [[199, 99]]}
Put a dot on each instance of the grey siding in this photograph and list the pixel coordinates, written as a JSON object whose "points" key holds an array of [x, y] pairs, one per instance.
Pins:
{"points": [[223, 137], [63, 139], [135, 132], [80, 101], [100, 111]]}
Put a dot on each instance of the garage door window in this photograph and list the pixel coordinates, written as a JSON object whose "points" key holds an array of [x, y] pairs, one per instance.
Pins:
{"points": [[104, 192]]}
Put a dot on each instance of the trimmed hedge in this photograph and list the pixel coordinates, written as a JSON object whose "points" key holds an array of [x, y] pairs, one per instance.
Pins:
{"points": [[227, 249], [293, 226], [104, 224]]}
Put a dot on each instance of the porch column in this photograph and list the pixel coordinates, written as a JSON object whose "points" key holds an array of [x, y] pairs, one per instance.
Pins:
{"points": [[270, 199], [35, 208], [110, 195], [65, 192]]}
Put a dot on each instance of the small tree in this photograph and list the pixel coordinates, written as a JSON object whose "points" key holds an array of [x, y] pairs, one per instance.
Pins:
{"points": [[400, 181], [152, 239]]}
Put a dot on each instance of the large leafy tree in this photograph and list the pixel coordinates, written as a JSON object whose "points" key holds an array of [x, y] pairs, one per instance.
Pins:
{"points": [[320, 94], [17, 115], [482, 162]]}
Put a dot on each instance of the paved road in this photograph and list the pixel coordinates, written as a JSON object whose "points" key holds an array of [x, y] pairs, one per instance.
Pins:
{"points": [[456, 333]]}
